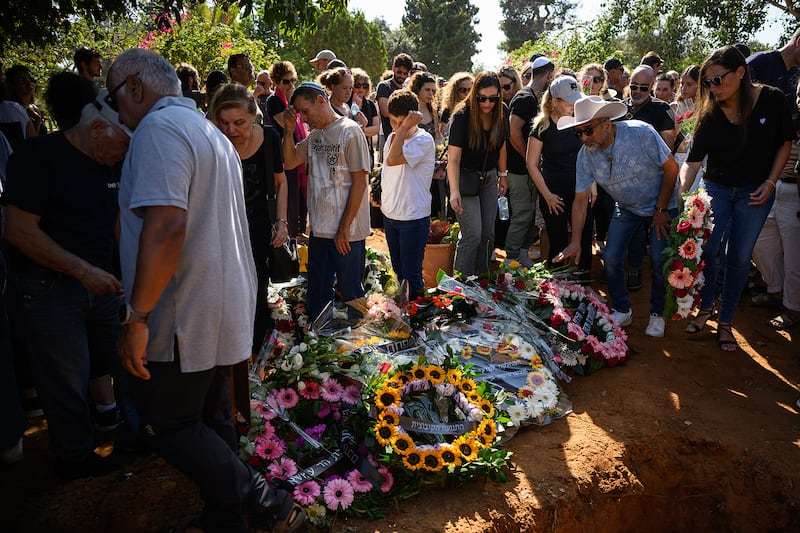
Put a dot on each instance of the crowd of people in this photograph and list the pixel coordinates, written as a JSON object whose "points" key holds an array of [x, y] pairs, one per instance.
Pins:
{"points": [[157, 184]]}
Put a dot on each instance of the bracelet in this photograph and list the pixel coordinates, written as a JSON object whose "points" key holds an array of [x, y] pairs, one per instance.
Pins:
{"points": [[770, 182], [662, 209], [503, 174], [284, 222]]}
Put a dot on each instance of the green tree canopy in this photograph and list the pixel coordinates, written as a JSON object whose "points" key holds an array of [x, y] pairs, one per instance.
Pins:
{"points": [[443, 32], [527, 20]]}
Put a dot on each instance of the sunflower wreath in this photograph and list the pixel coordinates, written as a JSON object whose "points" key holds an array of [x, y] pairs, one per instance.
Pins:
{"points": [[467, 435]]}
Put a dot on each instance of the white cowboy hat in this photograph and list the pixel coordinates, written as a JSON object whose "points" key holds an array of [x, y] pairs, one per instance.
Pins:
{"points": [[592, 107]]}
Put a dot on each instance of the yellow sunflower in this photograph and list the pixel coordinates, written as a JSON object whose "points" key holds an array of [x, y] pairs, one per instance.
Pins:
{"points": [[488, 430], [402, 443], [432, 460], [486, 407], [454, 377], [467, 447], [418, 372], [384, 433], [398, 335], [467, 386], [413, 461], [435, 374], [389, 417], [450, 456], [387, 397], [402, 378]]}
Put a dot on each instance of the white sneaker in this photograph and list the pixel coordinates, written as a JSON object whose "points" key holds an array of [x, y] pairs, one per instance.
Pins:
{"points": [[623, 319], [655, 328]]}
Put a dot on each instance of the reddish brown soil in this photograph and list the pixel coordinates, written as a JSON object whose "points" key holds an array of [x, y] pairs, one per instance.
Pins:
{"points": [[683, 437]]}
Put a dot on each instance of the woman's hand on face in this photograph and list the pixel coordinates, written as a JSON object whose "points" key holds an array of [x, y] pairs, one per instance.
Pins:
{"points": [[762, 194]]}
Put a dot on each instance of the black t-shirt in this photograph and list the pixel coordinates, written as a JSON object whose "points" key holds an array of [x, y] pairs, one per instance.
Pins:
{"points": [[274, 106], [559, 157], [75, 197], [656, 112], [259, 185], [738, 156], [385, 90], [769, 68], [525, 105], [474, 159]]}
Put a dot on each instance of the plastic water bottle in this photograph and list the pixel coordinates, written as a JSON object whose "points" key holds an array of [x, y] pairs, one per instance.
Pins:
{"points": [[354, 109], [502, 207]]}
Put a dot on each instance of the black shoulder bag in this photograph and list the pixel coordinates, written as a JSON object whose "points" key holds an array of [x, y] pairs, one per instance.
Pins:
{"points": [[284, 261]]}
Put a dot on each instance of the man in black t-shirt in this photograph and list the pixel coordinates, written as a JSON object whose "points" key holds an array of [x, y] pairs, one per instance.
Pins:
{"points": [[521, 190], [61, 216], [401, 67]]}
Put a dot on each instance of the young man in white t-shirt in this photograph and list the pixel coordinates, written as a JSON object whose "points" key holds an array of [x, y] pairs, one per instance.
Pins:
{"points": [[408, 162]]}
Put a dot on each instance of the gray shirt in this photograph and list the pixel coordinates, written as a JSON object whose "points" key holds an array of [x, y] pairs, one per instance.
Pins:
{"points": [[178, 158]]}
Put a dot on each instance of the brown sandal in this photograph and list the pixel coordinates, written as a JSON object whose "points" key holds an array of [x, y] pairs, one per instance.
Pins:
{"points": [[703, 314]]}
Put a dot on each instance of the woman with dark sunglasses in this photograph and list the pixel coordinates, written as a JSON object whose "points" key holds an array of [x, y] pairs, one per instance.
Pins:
{"points": [[478, 144], [457, 88], [510, 82], [362, 86], [745, 130]]}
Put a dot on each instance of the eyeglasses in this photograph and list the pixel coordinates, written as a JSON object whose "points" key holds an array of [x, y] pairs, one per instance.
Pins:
{"points": [[588, 130], [641, 87], [289, 81], [110, 97], [598, 79], [716, 80], [507, 86], [361, 86], [482, 98], [463, 90]]}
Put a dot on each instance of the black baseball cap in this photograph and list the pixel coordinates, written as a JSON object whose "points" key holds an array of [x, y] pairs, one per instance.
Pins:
{"points": [[612, 63]]}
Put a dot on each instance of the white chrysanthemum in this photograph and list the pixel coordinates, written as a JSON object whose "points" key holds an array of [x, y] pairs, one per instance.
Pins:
{"points": [[518, 412]]}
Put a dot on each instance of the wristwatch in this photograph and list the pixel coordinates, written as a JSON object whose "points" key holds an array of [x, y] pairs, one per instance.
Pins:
{"points": [[662, 209], [129, 315]]}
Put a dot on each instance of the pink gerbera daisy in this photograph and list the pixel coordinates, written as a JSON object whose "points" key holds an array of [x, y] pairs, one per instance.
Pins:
{"points": [[331, 390], [269, 448], [681, 279], [310, 391], [351, 394], [306, 493], [688, 250], [282, 468], [287, 398], [338, 494], [388, 479], [358, 481]]}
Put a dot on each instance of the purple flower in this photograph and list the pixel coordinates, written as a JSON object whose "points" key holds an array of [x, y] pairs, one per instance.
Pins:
{"points": [[351, 395], [338, 493]]}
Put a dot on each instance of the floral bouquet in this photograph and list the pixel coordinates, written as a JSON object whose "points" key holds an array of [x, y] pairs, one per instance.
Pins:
{"points": [[437, 419], [683, 266], [685, 122]]}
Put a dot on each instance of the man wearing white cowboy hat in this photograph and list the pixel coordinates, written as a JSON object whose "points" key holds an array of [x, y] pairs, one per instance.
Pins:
{"points": [[633, 164]]}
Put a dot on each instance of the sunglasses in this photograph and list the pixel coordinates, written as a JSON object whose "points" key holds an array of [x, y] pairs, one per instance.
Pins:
{"points": [[598, 79], [507, 86], [463, 90], [110, 97], [482, 98], [642, 87], [289, 81], [361, 86], [716, 80], [588, 131]]}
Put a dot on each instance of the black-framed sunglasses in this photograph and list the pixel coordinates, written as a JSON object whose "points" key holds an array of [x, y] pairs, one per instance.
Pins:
{"points": [[588, 131], [289, 81], [598, 79], [110, 98], [360, 85], [507, 86], [716, 80], [641, 87], [482, 98], [463, 90]]}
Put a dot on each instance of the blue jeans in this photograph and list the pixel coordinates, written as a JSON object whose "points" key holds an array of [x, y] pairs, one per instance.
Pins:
{"points": [[623, 227], [65, 326], [406, 240], [476, 243], [743, 223], [325, 264]]}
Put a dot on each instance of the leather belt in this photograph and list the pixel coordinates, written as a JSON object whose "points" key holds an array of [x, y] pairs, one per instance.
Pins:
{"points": [[789, 180]]}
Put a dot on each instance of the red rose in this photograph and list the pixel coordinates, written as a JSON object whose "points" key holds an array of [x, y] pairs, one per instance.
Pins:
{"points": [[676, 265], [585, 348], [484, 283], [254, 461], [555, 321], [385, 367], [684, 226], [519, 284], [597, 357], [496, 296], [680, 293]]}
